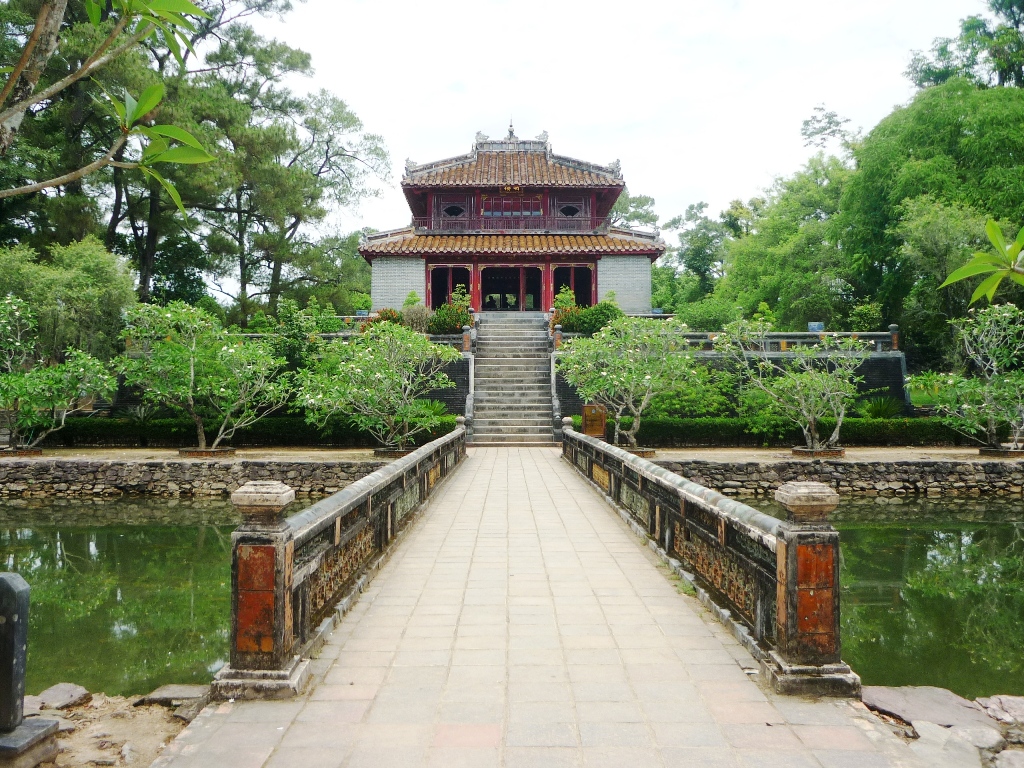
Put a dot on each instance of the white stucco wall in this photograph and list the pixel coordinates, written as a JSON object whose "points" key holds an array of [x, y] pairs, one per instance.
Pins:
{"points": [[629, 277], [392, 277]]}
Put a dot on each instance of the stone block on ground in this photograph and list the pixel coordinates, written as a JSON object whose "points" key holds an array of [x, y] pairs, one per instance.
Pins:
{"points": [[926, 703], [63, 696], [31, 705], [1011, 758], [1005, 709], [175, 695], [940, 747], [31, 743]]}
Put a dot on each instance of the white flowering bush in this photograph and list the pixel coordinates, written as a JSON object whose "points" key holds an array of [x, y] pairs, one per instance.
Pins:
{"points": [[989, 396], [377, 381], [802, 385], [179, 357], [624, 365], [37, 395]]}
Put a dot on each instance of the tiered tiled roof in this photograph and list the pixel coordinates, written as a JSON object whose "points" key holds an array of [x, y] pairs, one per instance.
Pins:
{"points": [[528, 163], [406, 242]]}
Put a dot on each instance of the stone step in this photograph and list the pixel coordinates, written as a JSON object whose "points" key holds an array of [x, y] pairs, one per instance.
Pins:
{"points": [[486, 424], [522, 364], [512, 429], [499, 385], [511, 408], [514, 444], [541, 437]]}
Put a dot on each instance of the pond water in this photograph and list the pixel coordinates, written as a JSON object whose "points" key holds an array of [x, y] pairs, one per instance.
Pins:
{"points": [[126, 595], [129, 595], [933, 592]]}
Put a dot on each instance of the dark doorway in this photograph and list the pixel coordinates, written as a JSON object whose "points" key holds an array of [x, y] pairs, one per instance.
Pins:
{"points": [[510, 289], [444, 280], [578, 279]]}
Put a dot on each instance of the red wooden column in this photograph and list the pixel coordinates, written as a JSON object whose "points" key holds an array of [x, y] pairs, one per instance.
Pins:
{"points": [[475, 289], [547, 286]]}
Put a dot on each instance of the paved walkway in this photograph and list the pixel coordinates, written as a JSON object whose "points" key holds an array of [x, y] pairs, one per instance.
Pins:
{"points": [[522, 624]]}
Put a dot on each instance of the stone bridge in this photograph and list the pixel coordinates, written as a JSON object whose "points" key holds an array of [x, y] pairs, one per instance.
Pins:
{"points": [[516, 620]]}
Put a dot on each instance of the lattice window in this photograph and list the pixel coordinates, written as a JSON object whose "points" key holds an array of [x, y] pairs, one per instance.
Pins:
{"points": [[452, 206], [511, 206], [571, 207]]}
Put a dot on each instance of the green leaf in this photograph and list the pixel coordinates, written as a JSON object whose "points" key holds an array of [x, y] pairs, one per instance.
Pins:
{"points": [[130, 105], [174, 132], [988, 287], [94, 12], [177, 6], [970, 269], [1017, 277], [168, 187], [154, 148], [184, 155], [149, 99], [995, 235]]}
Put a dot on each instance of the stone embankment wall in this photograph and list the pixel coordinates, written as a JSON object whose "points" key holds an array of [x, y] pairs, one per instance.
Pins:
{"points": [[869, 478], [75, 477]]}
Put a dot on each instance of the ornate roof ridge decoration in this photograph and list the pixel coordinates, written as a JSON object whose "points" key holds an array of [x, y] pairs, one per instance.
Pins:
{"points": [[409, 242], [441, 172]]}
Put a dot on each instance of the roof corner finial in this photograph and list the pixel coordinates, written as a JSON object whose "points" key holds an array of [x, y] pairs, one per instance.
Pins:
{"points": [[511, 130]]}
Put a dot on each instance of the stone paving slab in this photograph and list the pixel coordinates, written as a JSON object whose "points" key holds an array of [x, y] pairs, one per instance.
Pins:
{"points": [[522, 624]]}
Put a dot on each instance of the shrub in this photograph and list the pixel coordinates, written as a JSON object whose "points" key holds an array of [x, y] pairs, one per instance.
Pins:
{"points": [[883, 408], [566, 298], [724, 431], [417, 318], [273, 431], [411, 300], [386, 315], [587, 320], [449, 318]]}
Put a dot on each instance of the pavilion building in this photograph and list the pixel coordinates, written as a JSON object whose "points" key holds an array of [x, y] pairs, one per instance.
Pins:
{"points": [[513, 223]]}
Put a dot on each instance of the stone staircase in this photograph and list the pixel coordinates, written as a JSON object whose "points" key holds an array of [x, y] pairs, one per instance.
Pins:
{"points": [[512, 381]]}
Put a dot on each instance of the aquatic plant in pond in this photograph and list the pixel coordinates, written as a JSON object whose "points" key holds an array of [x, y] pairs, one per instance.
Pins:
{"points": [[121, 609]]}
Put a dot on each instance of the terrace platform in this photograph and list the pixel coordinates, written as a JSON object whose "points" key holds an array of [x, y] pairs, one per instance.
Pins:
{"points": [[521, 623]]}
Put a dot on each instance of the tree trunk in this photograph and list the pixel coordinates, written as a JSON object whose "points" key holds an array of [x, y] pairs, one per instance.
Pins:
{"points": [[116, 206], [40, 47], [147, 258], [275, 286], [200, 430]]}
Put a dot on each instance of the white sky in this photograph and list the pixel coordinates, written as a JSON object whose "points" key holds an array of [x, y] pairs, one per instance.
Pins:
{"points": [[699, 99]]}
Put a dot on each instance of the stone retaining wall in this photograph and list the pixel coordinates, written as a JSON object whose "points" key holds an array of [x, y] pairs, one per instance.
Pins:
{"points": [[20, 478], [868, 478], [78, 477]]}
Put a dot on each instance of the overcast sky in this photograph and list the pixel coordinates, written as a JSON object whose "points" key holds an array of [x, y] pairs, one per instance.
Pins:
{"points": [[699, 99]]}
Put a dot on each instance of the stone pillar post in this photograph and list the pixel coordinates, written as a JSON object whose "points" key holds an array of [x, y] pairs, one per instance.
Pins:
{"points": [[895, 331], [262, 636], [467, 339], [558, 336], [23, 743], [807, 659]]}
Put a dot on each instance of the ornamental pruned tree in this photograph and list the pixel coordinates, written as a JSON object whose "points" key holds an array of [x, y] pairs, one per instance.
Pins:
{"points": [[181, 358], [979, 406], [624, 365], [803, 385], [377, 381], [36, 396]]}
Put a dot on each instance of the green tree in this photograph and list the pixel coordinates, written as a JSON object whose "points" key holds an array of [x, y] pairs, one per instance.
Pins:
{"points": [[631, 210], [804, 385], [180, 357], [77, 296], [378, 381], [626, 364], [36, 395], [701, 248], [791, 260]]}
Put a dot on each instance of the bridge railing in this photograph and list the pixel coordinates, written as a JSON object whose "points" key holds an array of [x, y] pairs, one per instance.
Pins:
{"points": [[777, 580], [289, 574]]}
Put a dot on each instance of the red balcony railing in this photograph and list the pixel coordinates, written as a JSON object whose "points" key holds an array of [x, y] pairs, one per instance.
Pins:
{"points": [[511, 223]]}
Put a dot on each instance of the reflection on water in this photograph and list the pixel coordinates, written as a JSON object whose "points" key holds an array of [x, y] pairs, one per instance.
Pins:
{"points": [[122, 608], [933, 593]]}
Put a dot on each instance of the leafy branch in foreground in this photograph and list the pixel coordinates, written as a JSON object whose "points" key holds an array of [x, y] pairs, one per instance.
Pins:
{"points": [[1005, 261], [130, 22]]}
